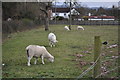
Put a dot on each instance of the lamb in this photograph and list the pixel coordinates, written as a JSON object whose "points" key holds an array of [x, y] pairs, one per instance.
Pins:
{"points": [[52, 39], [67, 28], [35, 51], [80, 27]]}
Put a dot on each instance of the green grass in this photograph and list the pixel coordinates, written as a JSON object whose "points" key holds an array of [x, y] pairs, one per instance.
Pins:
{"points": [[70, 42]]}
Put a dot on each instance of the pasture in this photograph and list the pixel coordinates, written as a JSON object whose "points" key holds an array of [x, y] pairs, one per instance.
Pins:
{"points": [[68, 63]]}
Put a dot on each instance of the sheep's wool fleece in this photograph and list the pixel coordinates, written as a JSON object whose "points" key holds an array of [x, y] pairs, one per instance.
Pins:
{"points": [[52, 37], [36, 50]]}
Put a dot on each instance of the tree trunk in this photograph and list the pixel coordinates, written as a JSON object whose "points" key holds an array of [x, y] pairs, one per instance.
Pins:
{"points": [[46, 18], [46, 23]]}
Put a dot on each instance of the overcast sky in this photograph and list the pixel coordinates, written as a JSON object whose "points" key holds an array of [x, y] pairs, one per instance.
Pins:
{"points": [[95, 3], [88, 0], [100, 4], [87, 3]]}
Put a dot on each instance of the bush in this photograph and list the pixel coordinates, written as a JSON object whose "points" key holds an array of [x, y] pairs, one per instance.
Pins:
{"points": [[27, 22], [85, 17], [39, 21], [58, 18], [9, 26], [12, 26]]}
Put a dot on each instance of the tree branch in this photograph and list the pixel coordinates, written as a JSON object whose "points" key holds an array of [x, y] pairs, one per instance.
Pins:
{"points": [[44, 12]]}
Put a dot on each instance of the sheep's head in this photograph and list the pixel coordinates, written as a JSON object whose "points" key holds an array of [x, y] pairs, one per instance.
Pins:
{"points": [[55, 41], [51, 59]]}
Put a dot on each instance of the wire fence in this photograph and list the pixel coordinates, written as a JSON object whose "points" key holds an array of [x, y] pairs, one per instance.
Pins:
{"points": [[93, 65], [76, 22], [107, 72], [90, 68]]}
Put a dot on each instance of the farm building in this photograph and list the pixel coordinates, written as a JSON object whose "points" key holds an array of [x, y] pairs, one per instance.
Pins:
{"points": [[99, 17], [64, 12]]}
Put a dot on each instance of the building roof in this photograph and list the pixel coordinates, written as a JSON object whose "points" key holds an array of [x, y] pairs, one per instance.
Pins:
{"points": [[94, 17]]}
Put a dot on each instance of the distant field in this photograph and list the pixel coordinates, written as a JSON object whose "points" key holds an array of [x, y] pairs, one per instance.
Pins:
{"points": [[67, 64]]}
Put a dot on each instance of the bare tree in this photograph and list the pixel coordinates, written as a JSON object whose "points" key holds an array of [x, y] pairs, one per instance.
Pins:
{"points": [[72, 4], [45, 10]]}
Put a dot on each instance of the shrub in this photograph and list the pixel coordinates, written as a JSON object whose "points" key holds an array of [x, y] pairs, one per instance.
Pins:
{"points": [[9, 27], [27, 22], [85, 17], [58, 18]]}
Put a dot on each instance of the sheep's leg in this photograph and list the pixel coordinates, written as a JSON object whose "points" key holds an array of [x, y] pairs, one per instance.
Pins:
{"points": [[42, 60], [35, 60], [29, 61], [50, 44], [54, 44]]}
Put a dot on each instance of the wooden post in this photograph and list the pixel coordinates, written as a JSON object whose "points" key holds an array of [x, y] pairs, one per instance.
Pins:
{"points": [[97, 51]]}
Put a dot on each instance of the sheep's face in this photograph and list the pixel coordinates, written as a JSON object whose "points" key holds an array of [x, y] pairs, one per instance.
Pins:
{"points": [[55, 41], [51, 59]]}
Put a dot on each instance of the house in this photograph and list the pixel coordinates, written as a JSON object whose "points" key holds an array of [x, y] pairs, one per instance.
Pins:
{"points": [[101, 17], [77, 17], [64, 12]]}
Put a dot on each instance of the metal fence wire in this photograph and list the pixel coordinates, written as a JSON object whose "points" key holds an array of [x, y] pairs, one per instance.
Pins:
{"points": [[92, 66]]}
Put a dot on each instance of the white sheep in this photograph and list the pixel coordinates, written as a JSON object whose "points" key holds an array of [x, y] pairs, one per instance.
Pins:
{"points": [[80, 27], [38, 51], [67, 28], [52, 39], [9, 19]]}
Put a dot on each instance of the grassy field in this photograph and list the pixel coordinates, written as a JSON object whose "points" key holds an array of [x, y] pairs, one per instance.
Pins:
{"points": [[68, 63]]}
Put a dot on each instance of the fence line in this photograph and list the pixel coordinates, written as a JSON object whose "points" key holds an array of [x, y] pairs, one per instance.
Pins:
{"points": [[75, 22], [107, 72], [108, 60], [91, 67]]}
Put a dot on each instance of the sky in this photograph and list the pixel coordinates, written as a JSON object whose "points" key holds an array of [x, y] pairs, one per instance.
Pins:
{"points": [[100, 4], [88, 0], [95, 3], [88, 3]]}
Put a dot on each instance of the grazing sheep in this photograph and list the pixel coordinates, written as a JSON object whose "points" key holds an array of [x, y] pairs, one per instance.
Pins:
{"points": [[38, 51], [52, 39], [9, 19], [67, 28], [80, 27]]}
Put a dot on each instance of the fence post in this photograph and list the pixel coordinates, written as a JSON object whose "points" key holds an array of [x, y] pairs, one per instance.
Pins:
{"points": [[97, 51]]}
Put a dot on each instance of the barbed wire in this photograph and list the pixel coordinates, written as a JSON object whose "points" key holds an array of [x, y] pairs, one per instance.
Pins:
{"points": [[107, 72], [88, 69], [92, 66], [109, 60]]}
